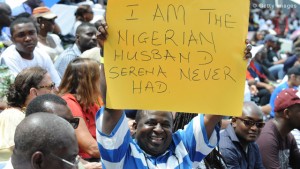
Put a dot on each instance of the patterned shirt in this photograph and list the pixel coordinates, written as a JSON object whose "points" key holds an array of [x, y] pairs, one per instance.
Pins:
{"points": [[188, 147], [65, 58]]}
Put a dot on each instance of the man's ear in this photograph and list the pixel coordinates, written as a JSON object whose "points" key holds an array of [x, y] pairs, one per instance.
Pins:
{"points": [[38, 160], [233, 122], [286, 113], [134, 125]]}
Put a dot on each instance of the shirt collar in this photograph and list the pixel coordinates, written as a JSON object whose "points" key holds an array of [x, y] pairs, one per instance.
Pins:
{"points": [[76, 50], [231, 133]]}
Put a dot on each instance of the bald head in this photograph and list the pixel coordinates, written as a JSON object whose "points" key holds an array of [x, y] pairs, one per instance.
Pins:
{"points": [[39, 135], [251, 109]]}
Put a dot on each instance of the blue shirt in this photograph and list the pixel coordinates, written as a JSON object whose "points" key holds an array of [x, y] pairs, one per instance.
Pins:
{"points": [[21, 9], [276, 91], [189, 146], [65, 58], [235, 156]]}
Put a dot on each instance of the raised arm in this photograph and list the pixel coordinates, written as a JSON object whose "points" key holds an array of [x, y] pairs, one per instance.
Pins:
{"points": [[210, 121], [110, 116]]}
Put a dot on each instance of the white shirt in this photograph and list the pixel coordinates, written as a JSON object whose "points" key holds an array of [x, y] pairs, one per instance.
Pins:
{"points": [[16, 63]]}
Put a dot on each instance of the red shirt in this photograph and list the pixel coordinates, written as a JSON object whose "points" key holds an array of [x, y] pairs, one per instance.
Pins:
{"points": [[89, 117]]}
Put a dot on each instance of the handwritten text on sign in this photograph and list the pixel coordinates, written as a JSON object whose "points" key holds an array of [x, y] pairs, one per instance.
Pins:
{"points": [[176, 55]]}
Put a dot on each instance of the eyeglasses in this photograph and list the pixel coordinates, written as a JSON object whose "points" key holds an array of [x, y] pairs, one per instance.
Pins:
{"points": [[74, 165], [250, 123], [74, 122], [51, 86]]}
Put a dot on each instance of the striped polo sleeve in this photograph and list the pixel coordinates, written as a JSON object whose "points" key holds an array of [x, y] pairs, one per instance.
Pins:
{"points": [[195, 139], [113, 147]]}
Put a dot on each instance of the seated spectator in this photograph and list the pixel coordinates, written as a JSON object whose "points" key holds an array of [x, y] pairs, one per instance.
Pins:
{"points": [[5, 21], [44, 140], [256, 75], [154, 144], [237, 142], [80, 87], [47, 41], [271, 60], [293, 82], [27, 6], [51, 103], [85, 39], [24, 53], [84, 13], [28, 84], [277, 145]]}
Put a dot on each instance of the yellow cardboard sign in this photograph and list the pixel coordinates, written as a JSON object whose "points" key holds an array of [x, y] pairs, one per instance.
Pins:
{"points": [[176, 55]]}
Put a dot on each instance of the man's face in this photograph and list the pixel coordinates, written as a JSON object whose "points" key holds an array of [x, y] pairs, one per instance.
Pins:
{"points": [[5, 15], [245, 132], [154, 132], [24, 37], [86, 38]]}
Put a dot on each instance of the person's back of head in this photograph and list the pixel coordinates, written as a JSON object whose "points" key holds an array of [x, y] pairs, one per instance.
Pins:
{"points": [[294, 75], [44, 140], [82, 78], [53, 104]]}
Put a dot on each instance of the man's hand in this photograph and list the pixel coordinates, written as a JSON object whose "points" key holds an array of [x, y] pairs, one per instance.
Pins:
{"points": [[247, 52], [102, 33]]}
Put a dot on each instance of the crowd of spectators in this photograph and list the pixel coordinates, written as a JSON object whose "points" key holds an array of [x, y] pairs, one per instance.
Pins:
{"points": [[53, 95]]}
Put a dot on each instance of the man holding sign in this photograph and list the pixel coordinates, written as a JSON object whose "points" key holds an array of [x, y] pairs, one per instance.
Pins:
{"points": [[154, 146]]}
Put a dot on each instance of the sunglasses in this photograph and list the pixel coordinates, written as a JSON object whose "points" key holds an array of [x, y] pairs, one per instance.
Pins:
{"points": [[74, 122], [250, 123], [51, 86], [73, 164]]}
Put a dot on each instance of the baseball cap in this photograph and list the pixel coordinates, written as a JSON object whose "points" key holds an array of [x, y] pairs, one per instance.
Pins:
{"points": [[286, 98], [270, 37], [43, 12]]}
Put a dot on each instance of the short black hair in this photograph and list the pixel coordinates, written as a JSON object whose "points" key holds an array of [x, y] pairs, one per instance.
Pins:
{"points": [[38, 103], [19, 21], [83, 25]]}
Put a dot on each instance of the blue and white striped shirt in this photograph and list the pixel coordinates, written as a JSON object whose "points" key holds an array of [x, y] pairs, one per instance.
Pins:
{"points": [[189, 146]]}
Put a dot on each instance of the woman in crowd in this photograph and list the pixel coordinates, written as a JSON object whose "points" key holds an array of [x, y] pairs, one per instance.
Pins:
{"points": [[47, 41], [84, 13], [80, 87], [28, 84]]}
